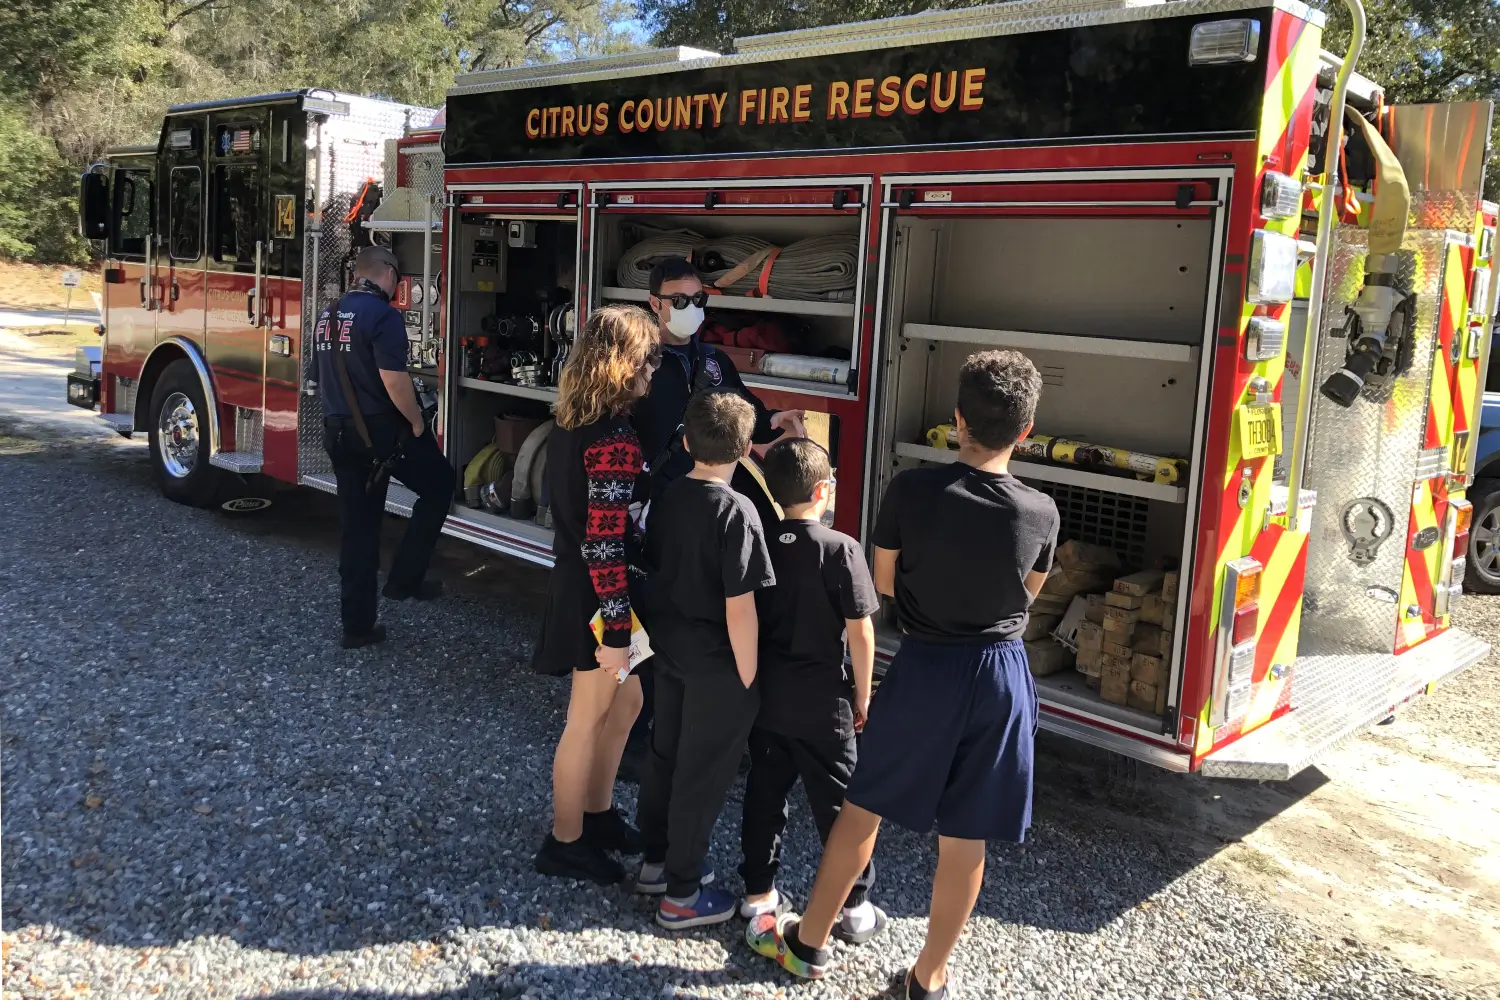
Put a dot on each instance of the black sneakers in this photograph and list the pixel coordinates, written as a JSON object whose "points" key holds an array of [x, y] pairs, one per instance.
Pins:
{"points": [[609, 831], [427, 590], [579, 859], [359, 640]]}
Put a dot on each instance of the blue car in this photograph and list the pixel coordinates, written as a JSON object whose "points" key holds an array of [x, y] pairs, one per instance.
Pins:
{"points": [[1483, 576]]}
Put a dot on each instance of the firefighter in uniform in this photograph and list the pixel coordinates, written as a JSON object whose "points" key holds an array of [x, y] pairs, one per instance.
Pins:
{"points": [[374, 428]]}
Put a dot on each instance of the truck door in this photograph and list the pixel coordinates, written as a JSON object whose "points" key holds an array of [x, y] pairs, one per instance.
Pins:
{"points": [[238, 255], [176, 279], [129, 305]]}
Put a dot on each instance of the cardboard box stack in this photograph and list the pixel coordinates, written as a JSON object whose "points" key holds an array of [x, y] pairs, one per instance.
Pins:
{"points": [[1080, 570]]}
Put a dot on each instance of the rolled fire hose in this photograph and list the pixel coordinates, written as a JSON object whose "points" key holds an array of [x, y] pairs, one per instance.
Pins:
{"points": [[805, 368], [484, 469], [1163, 471], [821, 267], [522, 499]]}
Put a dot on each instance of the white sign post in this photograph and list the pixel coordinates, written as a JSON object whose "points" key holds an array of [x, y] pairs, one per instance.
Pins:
{"points": [[70, 281]]}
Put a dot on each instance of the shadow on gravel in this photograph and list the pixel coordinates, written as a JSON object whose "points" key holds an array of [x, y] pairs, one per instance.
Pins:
{"points": [[199, 759]]}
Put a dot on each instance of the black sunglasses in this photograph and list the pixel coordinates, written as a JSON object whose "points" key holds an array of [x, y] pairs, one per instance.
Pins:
{"points": [[681, 301]]}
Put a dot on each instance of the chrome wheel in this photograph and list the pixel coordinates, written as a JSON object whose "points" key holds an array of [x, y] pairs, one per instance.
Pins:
{"points": [[1484, 545], [177, 433]]}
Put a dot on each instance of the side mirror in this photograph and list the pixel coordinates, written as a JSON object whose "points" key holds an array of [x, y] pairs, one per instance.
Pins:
{"points": [[93, 204]]}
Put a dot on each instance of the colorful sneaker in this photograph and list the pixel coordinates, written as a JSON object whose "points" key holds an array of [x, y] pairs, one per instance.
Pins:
{"points": [[767, 935], [713, 906], [776, 904], [652, 881], [859, 925]]}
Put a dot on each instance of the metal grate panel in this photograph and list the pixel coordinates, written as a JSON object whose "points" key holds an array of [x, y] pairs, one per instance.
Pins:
{"points": [[249, 430], [1100, 518], [125, 390]]}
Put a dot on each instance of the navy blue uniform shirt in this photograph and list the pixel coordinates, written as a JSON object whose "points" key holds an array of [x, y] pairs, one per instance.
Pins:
{"points": [[370, 332], [657, 417]]}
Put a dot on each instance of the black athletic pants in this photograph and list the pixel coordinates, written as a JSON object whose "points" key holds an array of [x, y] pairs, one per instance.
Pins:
{"points": [[421, 469], [703, 718], [776, 762]]}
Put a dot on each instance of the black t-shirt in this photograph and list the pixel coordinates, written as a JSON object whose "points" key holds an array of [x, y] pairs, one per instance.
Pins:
{"points": [[705, 544], [822, 581], [370, 333], [967, 540]]}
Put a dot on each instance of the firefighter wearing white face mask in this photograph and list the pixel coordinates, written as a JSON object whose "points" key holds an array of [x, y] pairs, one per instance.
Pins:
{"points": [[688, 366]]}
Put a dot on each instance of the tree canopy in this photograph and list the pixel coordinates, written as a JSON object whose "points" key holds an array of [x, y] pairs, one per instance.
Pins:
{"points": [[77, 76]]}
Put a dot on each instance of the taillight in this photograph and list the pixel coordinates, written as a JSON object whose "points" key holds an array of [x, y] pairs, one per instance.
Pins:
{"points": [[1245, 621], [1239, 617], [1462, 513]]}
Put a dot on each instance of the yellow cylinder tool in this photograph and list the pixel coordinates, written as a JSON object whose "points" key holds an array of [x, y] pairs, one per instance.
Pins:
{"points": [[1165, 471]]}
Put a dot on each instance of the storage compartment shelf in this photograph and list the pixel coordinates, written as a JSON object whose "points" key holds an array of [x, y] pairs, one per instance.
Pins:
{"points": [[403, 226], [1124, 485], [1025, 340], [794, 385], [744, 303], [506, 389]]}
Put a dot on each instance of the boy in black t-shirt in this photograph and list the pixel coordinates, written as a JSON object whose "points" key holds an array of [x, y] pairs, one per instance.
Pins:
{"points": [[810, 702], [708, 551], [963, 549]]}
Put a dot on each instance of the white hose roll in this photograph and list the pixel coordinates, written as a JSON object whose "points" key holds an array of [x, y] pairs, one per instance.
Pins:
{"points": [[805, 368], [522, 499], [818, 268]]}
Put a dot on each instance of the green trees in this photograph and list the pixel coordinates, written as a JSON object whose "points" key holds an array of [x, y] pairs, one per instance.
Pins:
{"points": [[78, 76]]}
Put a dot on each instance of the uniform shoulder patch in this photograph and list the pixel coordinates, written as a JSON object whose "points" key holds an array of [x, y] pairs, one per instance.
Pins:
{"points": [[711, 365], [787, 538]]}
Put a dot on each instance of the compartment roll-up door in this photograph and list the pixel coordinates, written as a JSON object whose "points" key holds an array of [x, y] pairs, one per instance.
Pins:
{"points": [[844, 199], [1155, 198]]}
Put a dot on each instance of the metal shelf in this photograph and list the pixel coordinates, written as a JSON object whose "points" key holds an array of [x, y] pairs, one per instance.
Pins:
{"points": [[436, 226], [745, 303], [1068, 475], [1146, 350], [506, 389], [807, 388]]}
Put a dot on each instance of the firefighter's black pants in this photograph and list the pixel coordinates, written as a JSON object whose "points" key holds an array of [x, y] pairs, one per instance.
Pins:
{"points": [[776, 762], [421, 469], [703, 717]]}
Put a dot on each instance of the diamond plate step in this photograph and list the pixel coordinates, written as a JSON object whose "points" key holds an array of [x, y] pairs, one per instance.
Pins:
{"points": [[242, 462], [1338, 694], [124, 423], [398, 499]]}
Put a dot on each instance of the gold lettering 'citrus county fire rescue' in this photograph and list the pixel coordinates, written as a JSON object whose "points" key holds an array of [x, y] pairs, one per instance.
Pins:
{"points": [[916, 94]]}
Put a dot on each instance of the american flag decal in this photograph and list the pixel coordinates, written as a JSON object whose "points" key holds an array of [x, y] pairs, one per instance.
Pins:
{"points": [[241, 142]]}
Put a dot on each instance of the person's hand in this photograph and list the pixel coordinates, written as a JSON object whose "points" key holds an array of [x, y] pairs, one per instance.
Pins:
{"points": [[861, 711], [790, 422], [418, 427], [613, 658]]}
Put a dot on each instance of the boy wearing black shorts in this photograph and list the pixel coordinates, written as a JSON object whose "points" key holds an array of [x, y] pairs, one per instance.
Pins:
{"points": [[811, 703], [708, 552], [963, 549]]}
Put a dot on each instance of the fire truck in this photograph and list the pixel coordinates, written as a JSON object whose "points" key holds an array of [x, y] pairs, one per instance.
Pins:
{"points": [[1257, 291]]}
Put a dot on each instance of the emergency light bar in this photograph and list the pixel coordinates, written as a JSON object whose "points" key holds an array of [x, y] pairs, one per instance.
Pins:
{"points": [[1218, 43]]}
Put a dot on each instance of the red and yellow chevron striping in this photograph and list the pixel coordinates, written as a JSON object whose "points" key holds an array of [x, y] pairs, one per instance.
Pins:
{"points": [[1425, 554]]}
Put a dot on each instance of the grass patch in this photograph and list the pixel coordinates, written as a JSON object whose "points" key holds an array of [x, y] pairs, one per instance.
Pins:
{"points": [[39, 286], [57, 338]]}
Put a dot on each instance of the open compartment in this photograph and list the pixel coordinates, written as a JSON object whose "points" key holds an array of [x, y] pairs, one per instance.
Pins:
{"points": [[513, 296], [1107, 288], [782, 265]]}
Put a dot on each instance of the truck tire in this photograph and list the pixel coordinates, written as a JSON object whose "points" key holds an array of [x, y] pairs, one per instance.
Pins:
{"points": [[178, 428], [1483, 573]]}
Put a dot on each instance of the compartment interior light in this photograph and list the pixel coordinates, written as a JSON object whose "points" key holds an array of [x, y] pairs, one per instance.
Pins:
{"points": [[1217, 43]]}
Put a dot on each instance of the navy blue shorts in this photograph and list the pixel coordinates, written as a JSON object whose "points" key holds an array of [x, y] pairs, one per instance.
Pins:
{"points": [[950, 740]]}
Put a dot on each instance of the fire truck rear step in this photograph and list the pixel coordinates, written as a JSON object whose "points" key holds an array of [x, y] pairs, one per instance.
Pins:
{"points": [[124, 423], [398, 499], [242, 462], [1336, 695]]}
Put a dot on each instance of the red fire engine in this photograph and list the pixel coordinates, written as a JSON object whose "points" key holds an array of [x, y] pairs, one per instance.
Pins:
{"points": [[1256, 291]]}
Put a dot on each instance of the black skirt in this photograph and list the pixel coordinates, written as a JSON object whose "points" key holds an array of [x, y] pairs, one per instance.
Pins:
{"points": [[566, 642]]}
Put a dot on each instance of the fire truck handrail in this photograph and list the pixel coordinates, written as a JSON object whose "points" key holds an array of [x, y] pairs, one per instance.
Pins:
{"points": [[1311, 337], [928, 205]]}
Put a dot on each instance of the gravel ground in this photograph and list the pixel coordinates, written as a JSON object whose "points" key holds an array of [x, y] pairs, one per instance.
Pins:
{"points": [[204, 797]]}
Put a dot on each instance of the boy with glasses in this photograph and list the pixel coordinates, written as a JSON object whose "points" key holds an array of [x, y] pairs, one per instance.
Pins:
{"points": [[811, 703]]}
